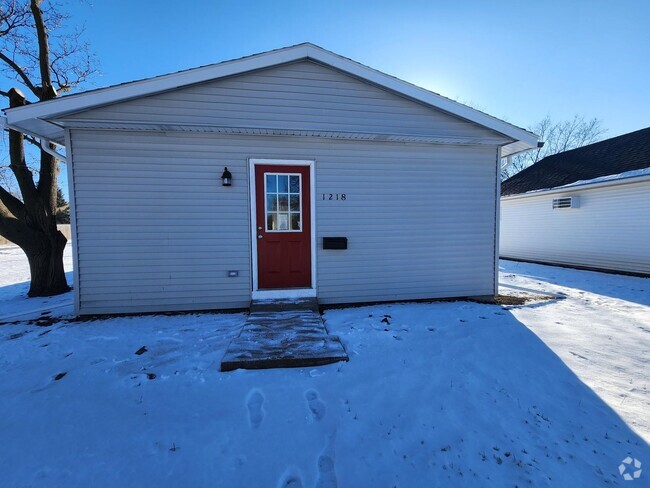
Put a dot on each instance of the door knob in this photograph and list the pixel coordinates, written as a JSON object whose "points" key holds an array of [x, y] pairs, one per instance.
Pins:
{"points": [[259, 236]]}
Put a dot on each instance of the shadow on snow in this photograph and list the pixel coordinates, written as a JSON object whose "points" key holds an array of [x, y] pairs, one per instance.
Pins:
{"points": [[439, 394], [629, 288]]}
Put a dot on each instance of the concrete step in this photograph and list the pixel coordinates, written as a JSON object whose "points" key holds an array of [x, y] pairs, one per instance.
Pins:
{"points": [[287, 339], [284, 305]]}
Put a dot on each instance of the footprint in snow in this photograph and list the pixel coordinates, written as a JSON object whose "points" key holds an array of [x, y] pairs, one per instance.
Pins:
{"points": [[290, 479], [326, 473], [255, 404], [316, 406]]}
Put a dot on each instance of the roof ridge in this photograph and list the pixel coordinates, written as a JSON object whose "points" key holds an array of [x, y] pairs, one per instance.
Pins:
{"points": [[590, 145]]}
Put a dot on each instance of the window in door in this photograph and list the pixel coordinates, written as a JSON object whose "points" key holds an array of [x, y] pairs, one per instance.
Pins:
{"points": [[283, 202]]}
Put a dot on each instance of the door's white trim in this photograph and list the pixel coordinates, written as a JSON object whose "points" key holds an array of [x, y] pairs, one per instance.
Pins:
{"points": [[289, 292]]}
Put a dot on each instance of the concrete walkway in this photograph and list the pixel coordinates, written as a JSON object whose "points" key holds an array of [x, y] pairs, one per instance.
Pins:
{"points": [[284, 339]]}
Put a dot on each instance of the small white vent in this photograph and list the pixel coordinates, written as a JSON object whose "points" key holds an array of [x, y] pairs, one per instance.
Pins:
{"points": [[566, 202]]}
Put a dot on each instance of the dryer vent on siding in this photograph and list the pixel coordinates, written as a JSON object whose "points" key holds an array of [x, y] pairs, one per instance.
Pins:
{"points": [[566, 202]]}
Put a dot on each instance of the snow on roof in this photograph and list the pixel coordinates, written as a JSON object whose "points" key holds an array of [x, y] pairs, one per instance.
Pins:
{"points": [[620, 176], [627, 152], [636, 173]]}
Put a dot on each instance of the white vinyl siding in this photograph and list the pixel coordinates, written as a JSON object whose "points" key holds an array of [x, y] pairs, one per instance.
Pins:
{"points": [[610, 229], [419, 221], [299, 96], [157, 231]]}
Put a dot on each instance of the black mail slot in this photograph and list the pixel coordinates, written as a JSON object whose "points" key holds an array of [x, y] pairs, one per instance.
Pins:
{"points": [[335, 242]]}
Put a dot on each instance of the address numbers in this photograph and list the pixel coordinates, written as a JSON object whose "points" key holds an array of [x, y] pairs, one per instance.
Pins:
{"points": [[334, 196]]}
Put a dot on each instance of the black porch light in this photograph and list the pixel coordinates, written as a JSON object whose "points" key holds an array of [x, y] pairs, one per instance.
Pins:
{"points": [[226, 177]]}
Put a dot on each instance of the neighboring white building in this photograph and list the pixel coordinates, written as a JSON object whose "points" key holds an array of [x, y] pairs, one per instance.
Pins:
{"points": [[348, 185], [600, 220]]}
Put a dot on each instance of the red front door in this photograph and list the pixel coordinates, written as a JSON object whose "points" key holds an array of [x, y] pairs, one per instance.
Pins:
{"points": [[283, 226]]}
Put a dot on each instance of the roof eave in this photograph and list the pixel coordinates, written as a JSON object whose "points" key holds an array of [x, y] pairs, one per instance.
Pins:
{"points": [[519, 146], [573, 188], [48, 110]]}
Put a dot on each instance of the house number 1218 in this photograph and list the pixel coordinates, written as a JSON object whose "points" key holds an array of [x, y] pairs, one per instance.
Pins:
{"points": [[334, 196]]}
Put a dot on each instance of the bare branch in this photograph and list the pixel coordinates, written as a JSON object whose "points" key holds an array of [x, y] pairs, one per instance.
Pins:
{"points": [[32, 140], [558, 137], [13, 205], [15, 230], [47, 90], [13, 16], [21, 73], [18, 164]]}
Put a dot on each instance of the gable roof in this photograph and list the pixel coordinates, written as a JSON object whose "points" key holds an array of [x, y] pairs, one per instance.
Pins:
{"points": [[609, 157], [37, 118]]}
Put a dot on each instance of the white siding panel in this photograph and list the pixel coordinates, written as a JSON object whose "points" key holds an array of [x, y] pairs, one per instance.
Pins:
{"points": [[299, 96], [157, 231], [609, 230], [162, 236]]}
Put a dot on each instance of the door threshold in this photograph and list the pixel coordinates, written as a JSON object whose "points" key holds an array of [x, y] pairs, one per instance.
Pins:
{"points": [[284, 293]]}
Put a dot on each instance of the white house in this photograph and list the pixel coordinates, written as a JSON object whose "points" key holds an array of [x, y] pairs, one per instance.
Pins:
{"points": [[346, 184], [589, 207]]}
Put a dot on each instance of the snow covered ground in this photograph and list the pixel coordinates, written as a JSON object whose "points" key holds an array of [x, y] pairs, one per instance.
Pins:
{"points": [[14, 284], [444, 394], [601, 331]]}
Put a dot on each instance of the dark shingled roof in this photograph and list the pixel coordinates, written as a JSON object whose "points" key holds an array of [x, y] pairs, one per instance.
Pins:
{"points": [[609, 157]]}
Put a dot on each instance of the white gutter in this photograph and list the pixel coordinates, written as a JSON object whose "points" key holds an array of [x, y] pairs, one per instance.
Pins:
{"points": [[4, 125], [509, 157], [574, 188]]}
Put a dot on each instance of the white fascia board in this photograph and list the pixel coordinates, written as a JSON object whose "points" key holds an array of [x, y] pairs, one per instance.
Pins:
{"points": [[575, 188], [515, 148], [150, 86], [105, 96], [427, 97]]}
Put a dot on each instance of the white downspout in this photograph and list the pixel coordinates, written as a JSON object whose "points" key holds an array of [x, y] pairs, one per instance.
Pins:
{"points": [[45, 147], [507, 163]]}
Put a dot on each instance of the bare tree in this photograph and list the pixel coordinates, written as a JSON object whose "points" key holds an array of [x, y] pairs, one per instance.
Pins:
{"points": [[46, 59], [558, 137]]}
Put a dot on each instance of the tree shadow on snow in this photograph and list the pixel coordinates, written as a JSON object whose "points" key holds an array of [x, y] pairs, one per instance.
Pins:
{"points": [[14, 299]]}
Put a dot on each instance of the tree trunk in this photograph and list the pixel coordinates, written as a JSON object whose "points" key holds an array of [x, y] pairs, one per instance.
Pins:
{"points": [[31, 224], [46, 266], [30, 221]]}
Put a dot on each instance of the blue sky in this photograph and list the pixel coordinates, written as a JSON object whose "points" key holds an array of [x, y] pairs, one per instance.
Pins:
{"points": [[517, 60]]}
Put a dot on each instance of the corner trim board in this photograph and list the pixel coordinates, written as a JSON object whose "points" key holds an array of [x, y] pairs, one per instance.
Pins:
{"points": [[73, 223]]}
